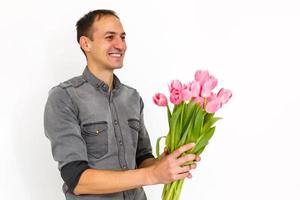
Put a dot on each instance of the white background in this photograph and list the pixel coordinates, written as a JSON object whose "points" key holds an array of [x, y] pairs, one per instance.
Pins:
{"points": [[252, 47]]}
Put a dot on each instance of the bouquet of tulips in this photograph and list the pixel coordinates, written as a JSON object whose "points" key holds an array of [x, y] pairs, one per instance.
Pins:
{"points": [[191, 119]]}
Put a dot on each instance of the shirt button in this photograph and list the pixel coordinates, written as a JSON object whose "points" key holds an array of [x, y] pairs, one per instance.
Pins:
{"points": [[120, 142], [105, 88], [116, 122]]}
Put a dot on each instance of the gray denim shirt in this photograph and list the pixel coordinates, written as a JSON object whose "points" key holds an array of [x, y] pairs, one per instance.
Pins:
{"points": [[84, 121]]}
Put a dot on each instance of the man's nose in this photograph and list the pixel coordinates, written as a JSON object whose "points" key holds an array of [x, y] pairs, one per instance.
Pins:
{"points": [[120, 44]]}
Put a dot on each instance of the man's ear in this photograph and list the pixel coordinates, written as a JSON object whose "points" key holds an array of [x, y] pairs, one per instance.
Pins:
{"points": [[85, 43]]}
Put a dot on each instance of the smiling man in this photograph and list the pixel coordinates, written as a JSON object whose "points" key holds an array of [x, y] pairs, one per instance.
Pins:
{"points": [[96, 127]]}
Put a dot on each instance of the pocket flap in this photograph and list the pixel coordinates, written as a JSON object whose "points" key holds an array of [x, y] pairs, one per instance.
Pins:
{"points": [[134, 123], [95, 127]]}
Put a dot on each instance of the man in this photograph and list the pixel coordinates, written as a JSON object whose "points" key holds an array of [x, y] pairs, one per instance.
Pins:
{"points": [[96, 127]]}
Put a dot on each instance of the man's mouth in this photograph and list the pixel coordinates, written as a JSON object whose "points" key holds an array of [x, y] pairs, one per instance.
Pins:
{"points": [[116, 55]]}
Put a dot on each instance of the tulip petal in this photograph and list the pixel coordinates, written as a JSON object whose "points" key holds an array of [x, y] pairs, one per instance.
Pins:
{"points": [[224, 95], [213, 106], [201, 76]]}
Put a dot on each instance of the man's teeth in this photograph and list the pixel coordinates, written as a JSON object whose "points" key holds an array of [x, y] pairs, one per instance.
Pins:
{"points": [[115, 54]]}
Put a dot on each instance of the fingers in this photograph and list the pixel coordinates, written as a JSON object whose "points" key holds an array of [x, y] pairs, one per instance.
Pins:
{"points": [[182, 149], [183, 176], [187, 158], [187, 168]]}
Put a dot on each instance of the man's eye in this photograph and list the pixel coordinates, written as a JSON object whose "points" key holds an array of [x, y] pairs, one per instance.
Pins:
{"points": [[123, 38], [110, 37]]}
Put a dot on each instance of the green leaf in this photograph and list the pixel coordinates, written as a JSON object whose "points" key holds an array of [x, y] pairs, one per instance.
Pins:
{"points": [[210, 122], [168, 141], [208, 117], [200, 150], [189, 114], [203, 140], [189, 129], [174, 127], [197, 126], [185, 134]]}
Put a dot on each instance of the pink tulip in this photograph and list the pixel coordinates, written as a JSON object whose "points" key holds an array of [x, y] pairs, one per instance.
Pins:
{"points": [[208, 86], [201, 76], [186, 86], [175, 85], [186, 94], [224, 95], [176, 97], [213, 106], [211, 97], [195, 89], [160, 99]]}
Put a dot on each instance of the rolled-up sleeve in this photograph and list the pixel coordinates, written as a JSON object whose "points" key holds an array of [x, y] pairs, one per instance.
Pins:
{"points": [[62, 128], [144, 148]]}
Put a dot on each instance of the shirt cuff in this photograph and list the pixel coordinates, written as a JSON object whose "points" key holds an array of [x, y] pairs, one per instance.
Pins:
{"points": [[143, 157], [71, 173]]}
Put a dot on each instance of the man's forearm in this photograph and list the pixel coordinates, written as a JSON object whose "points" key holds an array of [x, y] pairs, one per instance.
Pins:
{"points": [[152, 171], [93, 181]]}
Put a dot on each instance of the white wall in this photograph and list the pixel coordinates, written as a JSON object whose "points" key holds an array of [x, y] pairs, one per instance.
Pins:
{"points": [[252, 47]]}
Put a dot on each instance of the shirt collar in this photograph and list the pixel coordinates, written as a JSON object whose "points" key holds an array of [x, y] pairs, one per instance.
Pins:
{"points": [[99, 84]]}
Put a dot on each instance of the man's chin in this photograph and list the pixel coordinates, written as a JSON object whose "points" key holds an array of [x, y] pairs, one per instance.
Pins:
{"points": [[117, 66]]}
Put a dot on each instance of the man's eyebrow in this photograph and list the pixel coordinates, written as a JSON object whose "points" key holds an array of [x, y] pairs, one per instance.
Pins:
{"points": [[113, 33]]}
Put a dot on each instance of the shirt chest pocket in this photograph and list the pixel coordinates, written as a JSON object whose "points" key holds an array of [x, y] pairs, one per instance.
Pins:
{"points": [[96, 137]]}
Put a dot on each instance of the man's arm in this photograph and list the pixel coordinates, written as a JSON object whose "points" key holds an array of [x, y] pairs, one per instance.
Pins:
{"points": [[93, 181], [160, 171]]}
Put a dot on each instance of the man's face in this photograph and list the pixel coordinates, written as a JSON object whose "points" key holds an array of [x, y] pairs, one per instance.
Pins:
{"points": [[108, 46]]}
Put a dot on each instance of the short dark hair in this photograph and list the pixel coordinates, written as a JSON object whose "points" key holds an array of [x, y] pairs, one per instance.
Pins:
{"points": [[85, 23]]}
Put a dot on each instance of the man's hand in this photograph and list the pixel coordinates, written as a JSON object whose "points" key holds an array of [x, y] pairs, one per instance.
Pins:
{"points": [[170, 167]]}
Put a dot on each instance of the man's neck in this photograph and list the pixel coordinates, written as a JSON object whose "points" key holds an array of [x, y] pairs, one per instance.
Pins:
{"points": [[103, 74]]}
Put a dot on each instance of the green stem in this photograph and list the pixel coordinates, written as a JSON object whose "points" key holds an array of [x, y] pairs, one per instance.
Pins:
{"points": [[172, 190], [166, 189], [169, 193], [178, 190]]}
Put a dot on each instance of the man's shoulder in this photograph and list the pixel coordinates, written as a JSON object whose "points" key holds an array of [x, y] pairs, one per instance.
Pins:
{"points": [[60, 89], [75, 82]]}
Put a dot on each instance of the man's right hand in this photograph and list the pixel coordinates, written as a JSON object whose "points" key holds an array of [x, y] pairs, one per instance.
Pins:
{"points": [[170, 167]]}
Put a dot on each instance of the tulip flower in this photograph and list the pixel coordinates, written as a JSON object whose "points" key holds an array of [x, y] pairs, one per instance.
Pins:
{"points": [[160, 99], [224, 95], [201, 76], [186, 93], [213, 106], [195, 89], [176, 97], [175, 85], [208, 86]]}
